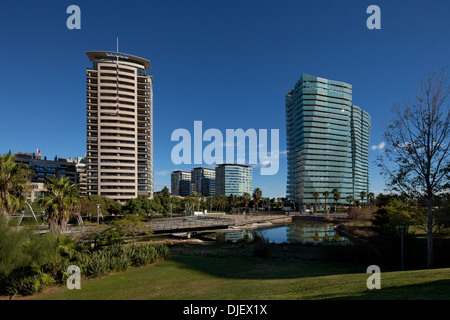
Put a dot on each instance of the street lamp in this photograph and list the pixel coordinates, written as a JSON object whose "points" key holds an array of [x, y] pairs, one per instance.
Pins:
{"points": [[402, 230], [98, 213]]}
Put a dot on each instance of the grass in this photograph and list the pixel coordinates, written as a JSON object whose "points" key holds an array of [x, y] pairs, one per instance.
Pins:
{"points": [[207, 276]]}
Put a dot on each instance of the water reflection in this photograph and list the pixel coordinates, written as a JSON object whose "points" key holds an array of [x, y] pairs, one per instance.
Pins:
{"points": [[296, 232]]}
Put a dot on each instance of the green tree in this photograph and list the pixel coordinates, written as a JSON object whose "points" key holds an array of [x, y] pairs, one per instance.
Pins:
{"points": [[142, 206], [350, 200], [131, 226], [58, 201], [88, 206], [163, 200], [246, 197], [326, 194], [14, 184], [232, 200], [221, 201], [362, 196], [371, 197], [210, 202], [257, 194], [336, 197], [316, 196], [396, 213]]}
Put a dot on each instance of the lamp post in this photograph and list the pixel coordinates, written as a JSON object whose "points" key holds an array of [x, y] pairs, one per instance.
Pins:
{"points": [[401, 229], [98, 213]]}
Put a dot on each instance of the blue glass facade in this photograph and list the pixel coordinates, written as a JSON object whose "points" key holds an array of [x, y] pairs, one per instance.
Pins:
{"points": [[233, 179], [180, 183], [327, 141], [203, 181]]}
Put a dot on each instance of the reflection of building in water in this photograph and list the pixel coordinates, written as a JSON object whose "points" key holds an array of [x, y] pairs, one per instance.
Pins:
{"points": [[300, 232], [235, 236], [306, 232]]}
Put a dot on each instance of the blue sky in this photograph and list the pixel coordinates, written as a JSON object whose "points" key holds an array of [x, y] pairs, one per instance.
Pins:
{"points": [[225, 63]]}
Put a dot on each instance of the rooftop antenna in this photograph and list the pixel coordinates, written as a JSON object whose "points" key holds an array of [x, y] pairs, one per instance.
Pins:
{"points": [[117, 79]]}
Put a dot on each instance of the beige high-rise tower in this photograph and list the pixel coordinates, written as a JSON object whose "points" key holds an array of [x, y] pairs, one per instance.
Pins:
{"points": [[119, 126]]}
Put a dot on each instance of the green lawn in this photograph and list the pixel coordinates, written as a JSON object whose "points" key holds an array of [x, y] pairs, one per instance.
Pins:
{"points": [[199, 277]]}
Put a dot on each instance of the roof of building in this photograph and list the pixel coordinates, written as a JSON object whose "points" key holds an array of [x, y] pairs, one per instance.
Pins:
{"points": [[233, 165], [203, 168], [99, 55]]}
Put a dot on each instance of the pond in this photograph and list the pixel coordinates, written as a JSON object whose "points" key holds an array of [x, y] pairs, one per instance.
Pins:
{"points": [[304, 232]]}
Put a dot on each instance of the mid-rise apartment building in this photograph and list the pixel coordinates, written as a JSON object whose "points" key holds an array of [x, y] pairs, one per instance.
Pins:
{"points": [[44, 168]]}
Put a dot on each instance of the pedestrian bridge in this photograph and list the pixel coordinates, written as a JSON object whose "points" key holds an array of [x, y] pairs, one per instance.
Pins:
{"points": [[206, 222]]}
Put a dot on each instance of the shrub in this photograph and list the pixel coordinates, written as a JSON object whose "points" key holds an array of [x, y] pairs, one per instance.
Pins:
{"points": [[119, 257], [25, 281], [130, 226], [12, 239], [29, 263], [261, 248]]}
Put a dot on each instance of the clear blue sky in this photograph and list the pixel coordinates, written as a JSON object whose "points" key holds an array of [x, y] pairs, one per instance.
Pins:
{"points": [[226, 63]]}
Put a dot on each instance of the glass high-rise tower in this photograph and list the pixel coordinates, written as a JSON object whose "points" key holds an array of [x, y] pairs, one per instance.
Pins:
{"points": [[327, 142], [203, 181], [233, 179]]}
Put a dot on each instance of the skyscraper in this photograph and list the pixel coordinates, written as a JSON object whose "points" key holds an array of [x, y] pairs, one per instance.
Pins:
{"points": [[203, 181], [180, 182], [233, 179], [119, 126], [327, 141]]}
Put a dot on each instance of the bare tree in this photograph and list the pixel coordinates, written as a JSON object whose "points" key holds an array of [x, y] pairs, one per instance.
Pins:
{"points": [[418, 145]]}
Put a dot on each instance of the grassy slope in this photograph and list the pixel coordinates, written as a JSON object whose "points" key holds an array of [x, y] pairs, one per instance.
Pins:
{"points": [[196, 277]]}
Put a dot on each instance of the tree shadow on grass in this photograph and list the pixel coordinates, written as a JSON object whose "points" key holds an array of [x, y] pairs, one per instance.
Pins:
{"points": [[241, 268], [433, 290]]}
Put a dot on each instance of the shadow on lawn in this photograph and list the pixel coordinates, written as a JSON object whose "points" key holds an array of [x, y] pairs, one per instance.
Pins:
{"points": [[236, 268], [433, 290]]}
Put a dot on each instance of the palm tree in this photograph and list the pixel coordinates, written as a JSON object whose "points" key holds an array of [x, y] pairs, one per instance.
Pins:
{"points": [[336, 197], [350, 200], [14, 183], [316, 196], [371, 197], [222, 201], [210, 202], [198, 197], [246, 197], [362, 195], [59, 199], [232, 200], [326, 194], [257, 194]]}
